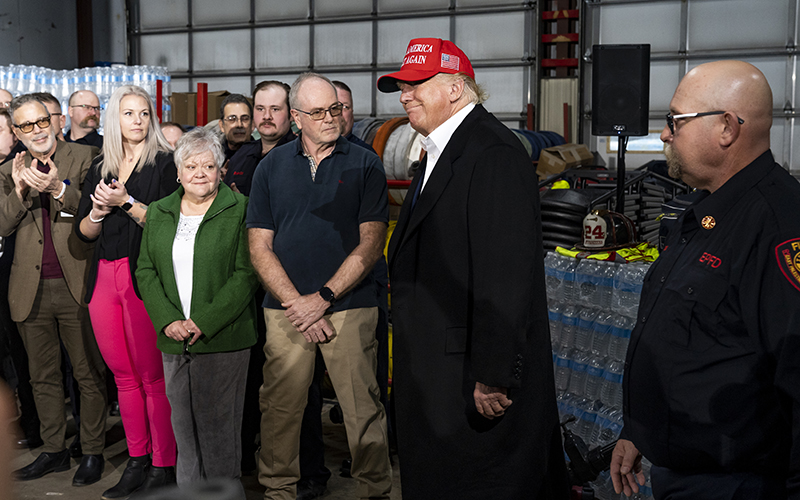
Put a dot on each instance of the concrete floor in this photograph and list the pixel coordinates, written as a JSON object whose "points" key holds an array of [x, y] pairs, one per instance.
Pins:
{"points": [[59, 485]]}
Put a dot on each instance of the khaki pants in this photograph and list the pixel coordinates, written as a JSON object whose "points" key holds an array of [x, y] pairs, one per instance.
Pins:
{"points": [[351, 361], [56, 314]]}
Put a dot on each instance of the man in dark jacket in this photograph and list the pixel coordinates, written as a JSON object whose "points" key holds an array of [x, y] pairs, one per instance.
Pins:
{"points": [[473, 376]]}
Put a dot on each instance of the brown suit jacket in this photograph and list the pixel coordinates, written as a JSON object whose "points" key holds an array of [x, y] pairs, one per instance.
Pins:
{"points": [[72, 162]]}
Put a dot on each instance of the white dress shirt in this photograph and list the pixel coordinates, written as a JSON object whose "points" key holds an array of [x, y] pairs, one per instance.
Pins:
{"points": [[435, 143]]}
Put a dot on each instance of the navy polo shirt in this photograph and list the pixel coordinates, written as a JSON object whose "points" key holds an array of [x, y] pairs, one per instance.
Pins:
{"points": [[316, 222]]}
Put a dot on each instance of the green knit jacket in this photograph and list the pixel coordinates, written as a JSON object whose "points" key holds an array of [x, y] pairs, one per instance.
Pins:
{"points": [[224, 283]]}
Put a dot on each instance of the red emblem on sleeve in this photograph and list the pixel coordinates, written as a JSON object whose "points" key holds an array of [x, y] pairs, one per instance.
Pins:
{"points": [[788, 255]]}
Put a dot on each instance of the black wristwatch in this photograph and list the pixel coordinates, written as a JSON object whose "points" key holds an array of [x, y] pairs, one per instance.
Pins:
{"points": [[128, 204], [327, 294]]}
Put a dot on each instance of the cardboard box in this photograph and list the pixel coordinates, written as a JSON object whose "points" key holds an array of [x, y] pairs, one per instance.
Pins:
{"points": [[184, 106], [559, 158]]}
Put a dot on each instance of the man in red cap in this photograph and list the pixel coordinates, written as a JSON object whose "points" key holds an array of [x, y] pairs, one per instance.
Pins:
{"points": [[473, 376]]}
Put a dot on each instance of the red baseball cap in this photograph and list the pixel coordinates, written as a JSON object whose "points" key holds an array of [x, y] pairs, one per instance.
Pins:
{"points": [[426, 57]]}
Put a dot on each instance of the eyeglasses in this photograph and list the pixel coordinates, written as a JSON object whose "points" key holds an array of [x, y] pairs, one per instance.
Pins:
{"points": [[245, 119], [671, 118], [345, 106], [27, 127], [319, 114], [87, 107]]}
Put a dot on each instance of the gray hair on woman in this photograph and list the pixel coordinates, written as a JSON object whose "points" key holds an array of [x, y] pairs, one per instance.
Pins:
{"points": [[197, 141]]}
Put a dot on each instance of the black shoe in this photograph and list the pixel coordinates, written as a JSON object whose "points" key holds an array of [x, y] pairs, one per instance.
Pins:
{"points": [[132, 478], [45, 463], [90, 471], [308, 489], [158, 477], [75, 449]]}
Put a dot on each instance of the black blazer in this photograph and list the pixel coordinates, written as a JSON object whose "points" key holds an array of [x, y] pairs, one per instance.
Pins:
{"points": [[469, 304]]}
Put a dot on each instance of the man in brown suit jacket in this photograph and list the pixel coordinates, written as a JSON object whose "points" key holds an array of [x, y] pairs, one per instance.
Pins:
{"points": [[39, 200]]}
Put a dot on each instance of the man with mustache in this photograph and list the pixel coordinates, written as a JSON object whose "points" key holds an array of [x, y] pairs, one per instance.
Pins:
{"points": [[235, 122], [41, 190], [273, 122], [711, 386], [84, 119]]}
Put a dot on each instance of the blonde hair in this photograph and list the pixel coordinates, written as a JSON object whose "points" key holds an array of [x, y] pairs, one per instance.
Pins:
{"points": [[472, 91], [113, 154]]}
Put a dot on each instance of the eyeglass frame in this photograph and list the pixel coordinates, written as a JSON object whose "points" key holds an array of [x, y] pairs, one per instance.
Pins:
{"points": [[671, 118], [330, 110], [231, 119], [86, 107], [38, 123]]}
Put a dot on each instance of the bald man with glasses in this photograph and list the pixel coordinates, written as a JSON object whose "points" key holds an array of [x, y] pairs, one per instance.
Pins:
{"points": [[41, 190], [84, 119]]}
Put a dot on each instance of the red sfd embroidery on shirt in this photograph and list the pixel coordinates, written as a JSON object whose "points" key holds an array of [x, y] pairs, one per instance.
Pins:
{"points": [[710, 260], [788, 255]]}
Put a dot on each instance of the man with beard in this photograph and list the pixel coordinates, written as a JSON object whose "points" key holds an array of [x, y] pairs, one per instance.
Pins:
{"points": [[84, 119], [274, 124], [41, 190], [473, 377], [711, 387], [235, 122]]}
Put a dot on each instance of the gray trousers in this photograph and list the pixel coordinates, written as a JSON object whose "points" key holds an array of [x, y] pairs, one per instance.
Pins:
{"points": [[206, 392]]}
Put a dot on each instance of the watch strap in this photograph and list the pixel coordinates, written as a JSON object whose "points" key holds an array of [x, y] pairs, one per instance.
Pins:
{"points": [[327, 294]]}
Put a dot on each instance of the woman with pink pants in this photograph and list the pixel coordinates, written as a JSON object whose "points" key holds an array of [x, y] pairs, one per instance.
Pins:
{"points": [[134, 169]]}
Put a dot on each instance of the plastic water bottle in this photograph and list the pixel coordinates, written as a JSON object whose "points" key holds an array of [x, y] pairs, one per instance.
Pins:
{"points": [[609, 425], [611, 389], [595, 369], [569, 320], [585, 330], [554, 311], [562, 369], [568, 286], [552, 278], [577, 377], [584, 285], [601, 339], [586, 411], [606, 288], [620, 336]]}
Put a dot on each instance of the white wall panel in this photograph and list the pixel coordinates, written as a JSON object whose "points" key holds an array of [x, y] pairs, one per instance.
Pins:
{"points": [[282, 47], [730, 24], [495, 36], [220, 50], [181, 85], [233, 84], [504, 86], [411, 5], [343, 44], [213, 12], [482, 3], [664, 78], [273, 10], [389, 104], [776, 139], [163, 13], [656, 23], [393, 36], [171, 51], [334, 8]]}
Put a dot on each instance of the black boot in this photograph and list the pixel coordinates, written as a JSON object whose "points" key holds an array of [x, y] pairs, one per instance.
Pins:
{"points": [[132, 478], [158, 477]]}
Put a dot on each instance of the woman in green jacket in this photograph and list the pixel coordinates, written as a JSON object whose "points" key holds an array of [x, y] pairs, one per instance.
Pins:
{"points": [[197, 284]]}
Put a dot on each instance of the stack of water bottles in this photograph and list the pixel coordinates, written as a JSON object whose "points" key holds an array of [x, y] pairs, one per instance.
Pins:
{"points": [[592, 310], [21, 79]]}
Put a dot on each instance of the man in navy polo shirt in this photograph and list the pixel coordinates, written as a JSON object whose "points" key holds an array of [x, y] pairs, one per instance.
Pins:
{"points": [[317, 224]]}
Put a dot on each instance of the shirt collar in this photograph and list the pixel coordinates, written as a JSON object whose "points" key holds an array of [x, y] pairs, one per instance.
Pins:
{"points": [[438, 139], [718, 203], [342, 146]]}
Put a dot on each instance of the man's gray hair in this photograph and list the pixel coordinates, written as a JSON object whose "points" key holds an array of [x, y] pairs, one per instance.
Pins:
{"points": [[198, 141], [299, 82], [22, 100]]}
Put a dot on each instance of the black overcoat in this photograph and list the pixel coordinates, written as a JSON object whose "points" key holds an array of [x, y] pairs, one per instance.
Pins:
{"points": [[469, 304]]}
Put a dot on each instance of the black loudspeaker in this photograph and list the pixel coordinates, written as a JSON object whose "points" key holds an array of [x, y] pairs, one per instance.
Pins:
{"points": [[620, 89]]}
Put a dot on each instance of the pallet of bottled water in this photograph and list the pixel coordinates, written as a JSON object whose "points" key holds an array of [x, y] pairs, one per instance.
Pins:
{"points": [[592, 308]]}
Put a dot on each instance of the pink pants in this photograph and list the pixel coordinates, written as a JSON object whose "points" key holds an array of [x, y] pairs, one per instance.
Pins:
{"points": [[127, 340]]}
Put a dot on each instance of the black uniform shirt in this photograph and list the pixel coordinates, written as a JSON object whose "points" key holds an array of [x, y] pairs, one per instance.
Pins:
{"points": [[712, 374], [243, 164]]}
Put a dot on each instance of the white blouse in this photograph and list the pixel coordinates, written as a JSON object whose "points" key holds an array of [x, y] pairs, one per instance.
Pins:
{"points": [[183, 258]]}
